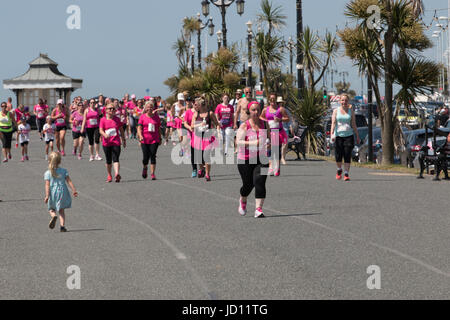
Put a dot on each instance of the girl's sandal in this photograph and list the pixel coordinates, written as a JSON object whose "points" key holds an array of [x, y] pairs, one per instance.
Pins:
{"points": [[53, 222]]}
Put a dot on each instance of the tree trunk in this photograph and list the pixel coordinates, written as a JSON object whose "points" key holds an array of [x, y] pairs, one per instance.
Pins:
{"points": [[388, 124]]}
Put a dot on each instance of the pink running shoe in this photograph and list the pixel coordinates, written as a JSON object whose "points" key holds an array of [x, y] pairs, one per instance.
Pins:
{"points": [[26, 158], [277, 173], [80, 157], [9, 156], [259, 213], [242, 208], [63, 153], [153, 177], [23, 159], [208, 178]]}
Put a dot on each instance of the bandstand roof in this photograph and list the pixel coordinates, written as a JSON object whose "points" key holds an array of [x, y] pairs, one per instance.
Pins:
{"points": [[42, 74]]}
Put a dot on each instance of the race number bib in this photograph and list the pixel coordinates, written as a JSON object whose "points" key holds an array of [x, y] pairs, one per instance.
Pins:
{"points": [[40, 115], [4, 120], [60, 120], [151, 127], [111, 132], [93, 122], [78, 128], [344, 127]]}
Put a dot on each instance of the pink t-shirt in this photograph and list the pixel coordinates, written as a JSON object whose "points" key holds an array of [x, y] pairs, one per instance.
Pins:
{"points": [[150, 128], [111, 128], [188, 116], [77, 121], [40, 111], [122, 114], [225, 115], [61, 118], [92, 119], [19, 114], [131, 105]]}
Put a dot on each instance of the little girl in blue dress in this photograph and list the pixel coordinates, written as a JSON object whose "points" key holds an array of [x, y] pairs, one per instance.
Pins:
{"points": [[57, 195]]}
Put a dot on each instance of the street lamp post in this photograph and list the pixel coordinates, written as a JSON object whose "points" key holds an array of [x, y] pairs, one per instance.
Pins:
{"points": [[192, 58], [300, 78], [219, 39], [250, 67], [291, 46], [209, 23], [223, 5]]}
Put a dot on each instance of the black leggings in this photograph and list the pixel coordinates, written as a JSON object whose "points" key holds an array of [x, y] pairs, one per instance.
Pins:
{"points": [[344, 148], [149, 151], [7, 138], [112, 154], [93, 134], [197, 155], [252, 178], [40, 124]]}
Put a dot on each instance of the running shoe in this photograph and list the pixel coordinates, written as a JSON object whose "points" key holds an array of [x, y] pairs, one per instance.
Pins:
{"points": [[91, 159], [165, 143], [98, 158], [80, 157], [74, 153], [259, 213], [277, 173], [23, 159], [201, 173], [63, 153], [153, 177], [339, 175], [346, 177], [109, 179], [270, 172], [242, 208], [63, 229], [194, 173], [5, 160], [208, 178], [9, 156], [52, 223], [118, 177], [145, 173]]}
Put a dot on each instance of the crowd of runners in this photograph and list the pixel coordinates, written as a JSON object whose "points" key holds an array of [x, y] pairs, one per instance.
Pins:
{"points": [[240, 129]]}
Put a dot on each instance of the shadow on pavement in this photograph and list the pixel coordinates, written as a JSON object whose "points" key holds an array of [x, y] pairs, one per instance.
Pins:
{"points": [[295, 215], [86, 230]]}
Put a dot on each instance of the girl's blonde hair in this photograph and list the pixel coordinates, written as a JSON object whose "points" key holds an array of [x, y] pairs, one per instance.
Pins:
{"points": [[54, 162]]}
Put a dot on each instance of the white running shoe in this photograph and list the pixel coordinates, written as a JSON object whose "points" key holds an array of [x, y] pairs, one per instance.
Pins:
{"points": [[242, 208], [91, 159], [98, 158], [259, 213]]}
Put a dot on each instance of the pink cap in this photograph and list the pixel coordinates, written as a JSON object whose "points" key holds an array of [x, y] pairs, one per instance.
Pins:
{"points": [[133, 96], [60, 101], [252, 103]]}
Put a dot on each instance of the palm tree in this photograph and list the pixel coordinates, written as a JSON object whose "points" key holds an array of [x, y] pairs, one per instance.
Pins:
{"points": [[399, 30], [272, 16], [309, 112], [268, 53]]}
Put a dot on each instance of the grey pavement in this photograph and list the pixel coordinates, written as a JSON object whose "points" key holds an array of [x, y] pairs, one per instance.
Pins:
{"points": [[182, 238]]}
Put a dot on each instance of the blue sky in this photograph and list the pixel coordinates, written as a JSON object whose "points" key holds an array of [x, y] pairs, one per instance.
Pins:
{"points": [[125, 46]]}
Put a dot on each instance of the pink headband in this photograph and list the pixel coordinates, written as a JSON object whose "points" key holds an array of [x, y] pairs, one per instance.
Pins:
{"points": [[252, 103]]}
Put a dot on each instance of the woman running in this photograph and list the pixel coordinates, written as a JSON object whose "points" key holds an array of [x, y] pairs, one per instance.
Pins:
{"points": [[203, 140], [188, 115], [170, 124], [113, 137], [91, 120], [225, 115], [178, 111], [149, 135], [59, 115], [76, 119], [131, 105], [7, 123], [23, 131], [49, 134], [275, 115], [343, 128], [41, 112], [121, 113], [251, 139]]}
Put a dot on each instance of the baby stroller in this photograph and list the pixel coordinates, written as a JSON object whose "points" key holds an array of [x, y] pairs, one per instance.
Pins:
{"points": [[296, 141]]}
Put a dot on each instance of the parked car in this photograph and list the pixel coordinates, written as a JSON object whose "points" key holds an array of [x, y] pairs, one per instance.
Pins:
{"points": [[415, 141], [409, 118]]}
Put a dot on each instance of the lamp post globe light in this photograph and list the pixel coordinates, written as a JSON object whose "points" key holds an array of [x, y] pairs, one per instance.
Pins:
{"points": [[291, 46], [219, 39], [223, 5], [209, 23], [250, 67]]}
